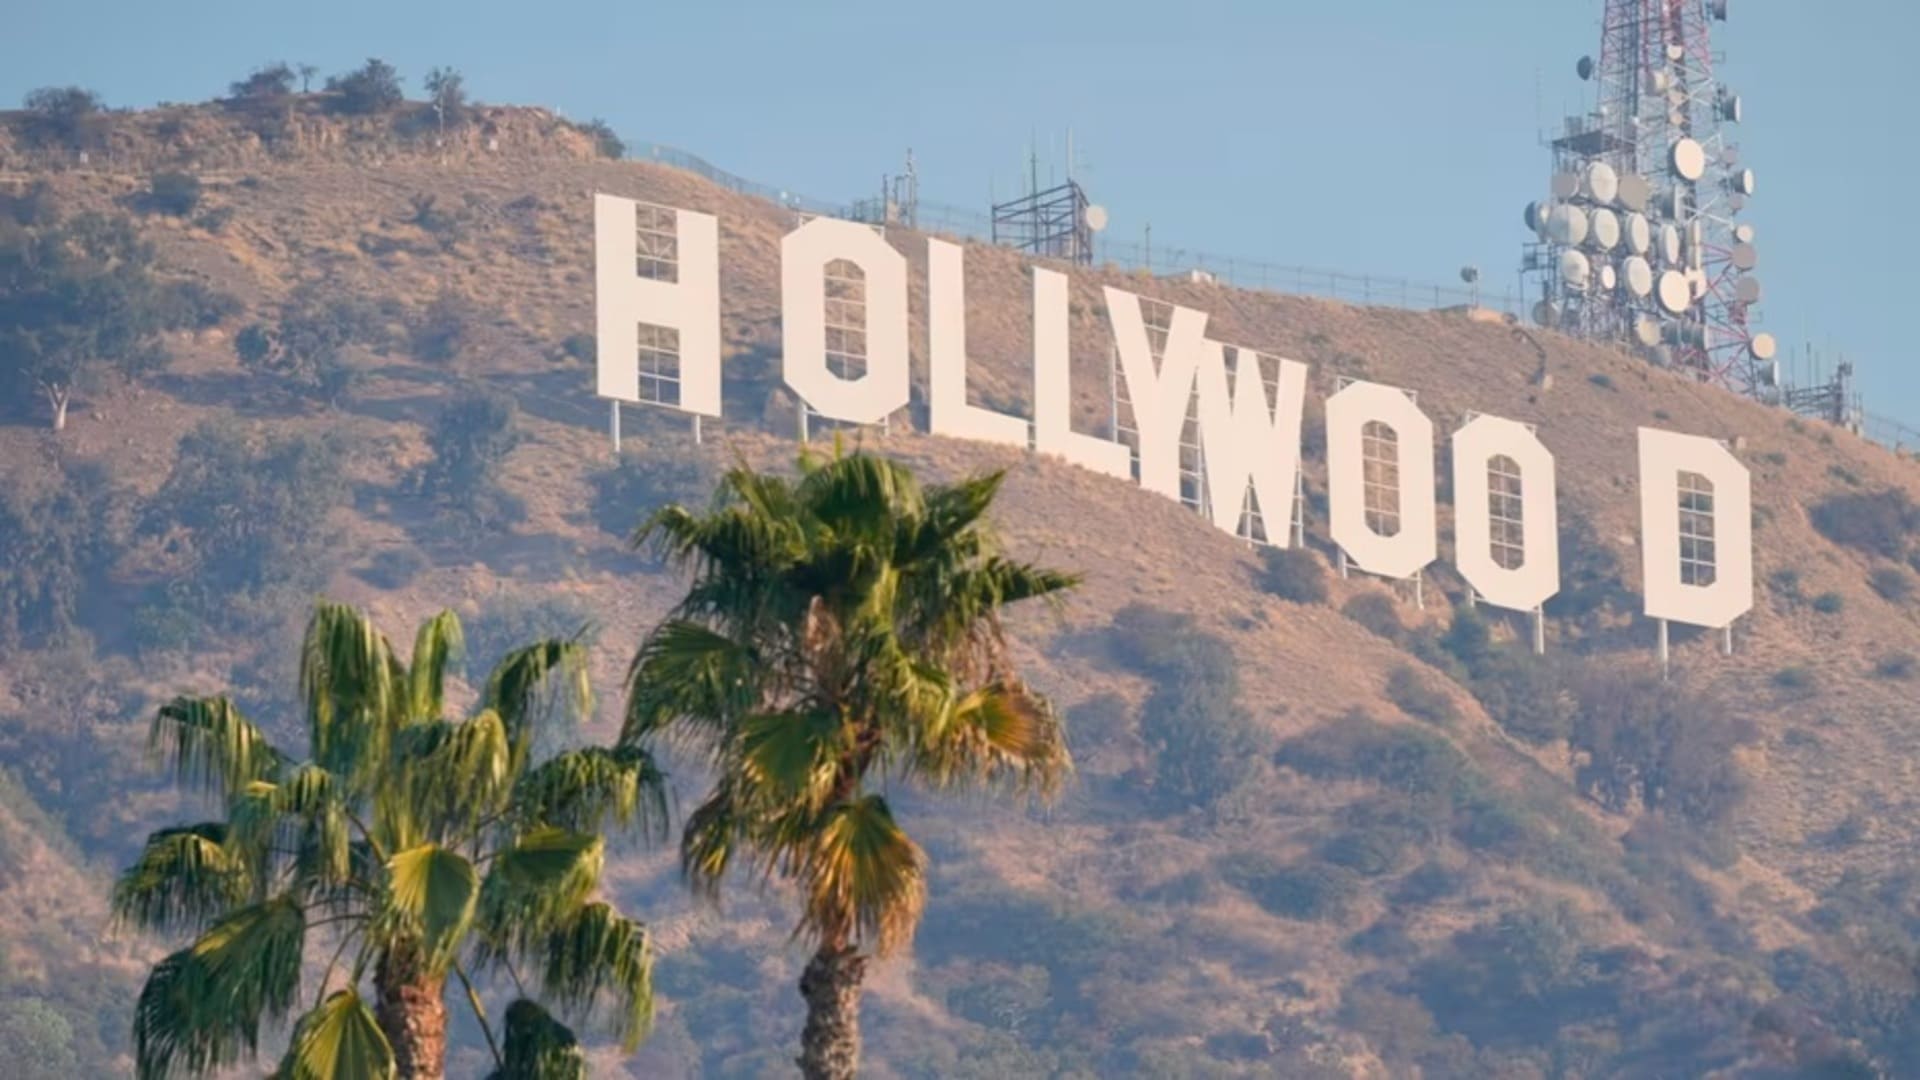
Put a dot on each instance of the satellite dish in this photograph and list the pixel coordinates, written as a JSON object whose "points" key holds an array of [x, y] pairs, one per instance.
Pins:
{"points": [[1096, 218], [1602, 183], [1676, 97], [1770, 373], [1684, 333], [1609, 280], [1659, 82], [1743, 233], [1669, 245], [1536, 221], [1575, 269], [1469, 274], [1639, 234], [1743, 181], [1718, 8], [1763, 347], [1565, 185], [1638, 274], [1675, 52], [1605, 232], [1697, 283], [1635, 191], [1584, 68], [1689, 159], [1731, 108], [1677, 117], [1546, 313], [1747, 290], [1646, 330], [1745, 257], [1673, 293], [1567, 224], [1660, 355]]}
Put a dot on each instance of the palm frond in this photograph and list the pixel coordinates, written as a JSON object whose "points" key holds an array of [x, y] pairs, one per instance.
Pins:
{"points": [[534, 887], [861, 495], [207, 743], [445, 777], [792, 757], [707, 844], [202, 1007], [1000, 732], [599, 952], [432, 895], [353, 688], [339, 1040], [538, 1047], [522, 683], [184, 878], [584, 789], [686, 683], [438, 643], [863, 878]]}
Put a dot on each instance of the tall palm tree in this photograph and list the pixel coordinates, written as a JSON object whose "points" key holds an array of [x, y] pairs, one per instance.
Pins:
{"points": [[406, 848], [840, 630]]}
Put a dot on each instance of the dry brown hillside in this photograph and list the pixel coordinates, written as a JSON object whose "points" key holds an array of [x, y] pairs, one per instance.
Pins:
{"points": [[1542, 933]]}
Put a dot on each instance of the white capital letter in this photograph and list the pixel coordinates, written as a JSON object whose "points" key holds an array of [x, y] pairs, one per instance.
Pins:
{"points": [[1247, 442], [1053, 390], [948, 411], [1698, 571], [1412, 546], [804, 255], [1160, 400], [1537, 576], [689, 305]]}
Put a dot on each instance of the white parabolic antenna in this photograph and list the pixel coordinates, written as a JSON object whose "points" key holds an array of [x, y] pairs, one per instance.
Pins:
{"points": [[1745, 257], [1675, 295], [1609, 280], [1689, 159], [1763, 346], [1639, 275], [1743, 233], [1697, 282], [1567, 224], [1606, 230], [1743, 181], [1747, 290], [1565, 185], [1546, 314], [1647, 330], [1603, 184], [1096, 218], [1574, 269], [1639, 234], [1669, 244]]}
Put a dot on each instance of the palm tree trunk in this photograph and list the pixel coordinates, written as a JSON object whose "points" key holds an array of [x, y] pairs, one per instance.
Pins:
{"points": [[413, 1015], [830, 1043]]}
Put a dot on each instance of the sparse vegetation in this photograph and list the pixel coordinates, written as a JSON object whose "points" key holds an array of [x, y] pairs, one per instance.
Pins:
{"points": [[1204, 745], [267, 84], [173, 193], [1294, 574], [1877, 522], [1892, 583], [1377, 612], [1896, 665], [471, 439], [1829, 603], [66, 116], [647, 478]]}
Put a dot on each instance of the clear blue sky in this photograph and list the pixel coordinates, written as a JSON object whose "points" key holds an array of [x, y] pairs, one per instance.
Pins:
{"points": [[1381, 136]]}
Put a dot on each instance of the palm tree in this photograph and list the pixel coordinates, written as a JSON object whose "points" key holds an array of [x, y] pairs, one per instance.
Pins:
{"points": [[840, 630], [406, 848]]}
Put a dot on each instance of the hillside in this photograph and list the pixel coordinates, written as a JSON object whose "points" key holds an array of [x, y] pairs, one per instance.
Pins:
{"points": [[1380, 858]]}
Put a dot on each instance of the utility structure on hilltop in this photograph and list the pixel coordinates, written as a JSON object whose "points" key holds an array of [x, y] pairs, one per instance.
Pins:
{"points": [[1639, 240]]}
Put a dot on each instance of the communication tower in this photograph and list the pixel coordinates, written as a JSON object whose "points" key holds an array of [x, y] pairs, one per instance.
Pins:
{"points": [[1055, 223], [1639, 239]]}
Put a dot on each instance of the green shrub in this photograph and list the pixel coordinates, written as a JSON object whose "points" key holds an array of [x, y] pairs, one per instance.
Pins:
{"points": [[1601, 379], [1415, 697], [647, 478], [1829, 603], [1879, 522], [394, 567], [1892, 583], [443, 329], [1294, 574], [1896, 665], [1654, 742], [267, 84], [471, 439], [605, 141], [1377, 612], [583, 348], [176, 194], [1311, 891], [1526, 695], [67, 115], [1369, 851], [374, 87], [1795, 677]]}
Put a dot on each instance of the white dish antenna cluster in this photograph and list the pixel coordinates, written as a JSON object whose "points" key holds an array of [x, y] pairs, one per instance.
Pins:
{"points": [[1637, 227]]}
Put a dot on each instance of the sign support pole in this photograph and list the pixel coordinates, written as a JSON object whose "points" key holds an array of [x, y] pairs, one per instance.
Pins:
{"points": [[613, 424]]}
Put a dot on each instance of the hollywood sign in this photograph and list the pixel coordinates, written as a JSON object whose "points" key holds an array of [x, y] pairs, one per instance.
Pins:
{"points": [[1695, 496]]}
